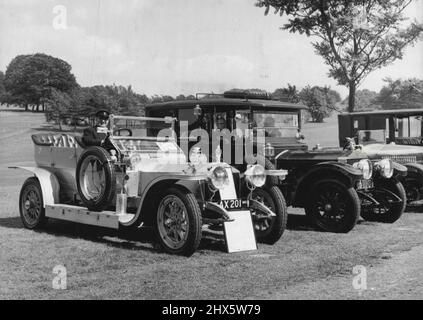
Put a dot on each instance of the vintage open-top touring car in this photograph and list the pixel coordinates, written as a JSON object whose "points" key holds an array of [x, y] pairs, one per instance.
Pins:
{"points": [[389, 134], [335, 186], [141, 178]]}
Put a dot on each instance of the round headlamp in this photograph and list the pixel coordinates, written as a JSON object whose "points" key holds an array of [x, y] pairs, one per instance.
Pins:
{"points": [[256, 176], [218, 178], [385, 168], [366, 168]]}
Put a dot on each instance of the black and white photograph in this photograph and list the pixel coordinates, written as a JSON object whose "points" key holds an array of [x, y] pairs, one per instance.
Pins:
{"points": [[212, 155]]}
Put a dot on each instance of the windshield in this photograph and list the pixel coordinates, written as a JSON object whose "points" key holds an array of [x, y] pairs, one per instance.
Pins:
{"points": [[139, 127], [410, 127], [141, 134], [372, 136], [277, 124]]}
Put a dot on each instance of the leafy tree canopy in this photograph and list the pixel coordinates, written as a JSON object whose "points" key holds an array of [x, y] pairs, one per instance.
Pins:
{"points": [[320, 101], [355, 37], [31, 78], [365, 100], [401, 94]]}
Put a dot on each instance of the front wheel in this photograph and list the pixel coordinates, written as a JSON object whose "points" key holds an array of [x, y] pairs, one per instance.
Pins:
{"points": [[332, 206], [178, 222], [270, 229], [31, 206], [391, 209]]}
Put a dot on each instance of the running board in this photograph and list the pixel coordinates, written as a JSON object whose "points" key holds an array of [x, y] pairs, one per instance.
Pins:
{"points": [[106, 219]]}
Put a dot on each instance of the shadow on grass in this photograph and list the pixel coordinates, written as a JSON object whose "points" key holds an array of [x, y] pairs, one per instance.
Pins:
{"points": [[130, 239], [299, 223]]}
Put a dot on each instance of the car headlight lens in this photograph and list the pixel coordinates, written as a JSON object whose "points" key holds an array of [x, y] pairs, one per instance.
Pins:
{"points": [[256, 176], [218, 178], [366, 167], [386, 168]]}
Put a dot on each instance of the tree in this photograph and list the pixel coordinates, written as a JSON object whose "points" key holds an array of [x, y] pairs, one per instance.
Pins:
{"points": [[58, 105], [2, 88], [365, 100], [31, 79], [356, 37], [401, 94], [288, 94], [320, 101]]}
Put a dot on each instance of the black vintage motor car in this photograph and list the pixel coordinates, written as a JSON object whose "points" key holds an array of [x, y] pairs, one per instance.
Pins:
{"points": [[390, 134], [334, 186]]}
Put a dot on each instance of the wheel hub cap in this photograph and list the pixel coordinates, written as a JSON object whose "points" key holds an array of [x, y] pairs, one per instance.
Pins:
{"points": [[328, 207]]}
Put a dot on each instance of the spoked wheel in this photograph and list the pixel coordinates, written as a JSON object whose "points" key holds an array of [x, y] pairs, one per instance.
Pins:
{"points": [[31, 207], [391, 209], [413, 190], [95, 178], [270, 229], [333, 207], [178, 222]]}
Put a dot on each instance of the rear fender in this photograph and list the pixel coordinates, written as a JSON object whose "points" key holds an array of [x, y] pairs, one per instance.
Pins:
{"points": [[49, 183], [336, 170]]}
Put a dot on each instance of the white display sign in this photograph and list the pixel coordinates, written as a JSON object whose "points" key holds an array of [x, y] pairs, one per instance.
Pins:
{"points": [[239, 234]]}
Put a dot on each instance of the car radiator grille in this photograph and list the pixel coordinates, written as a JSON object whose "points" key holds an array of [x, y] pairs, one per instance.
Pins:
{"points": [[402, 159]]}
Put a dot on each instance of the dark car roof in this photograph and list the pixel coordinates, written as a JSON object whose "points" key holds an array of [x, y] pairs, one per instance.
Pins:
{"points": [[222, 102], [402, 112]]}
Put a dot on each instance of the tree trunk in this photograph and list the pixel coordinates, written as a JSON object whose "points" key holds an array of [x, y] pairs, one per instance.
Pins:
{"points": [[26, 106], [351, 97]]}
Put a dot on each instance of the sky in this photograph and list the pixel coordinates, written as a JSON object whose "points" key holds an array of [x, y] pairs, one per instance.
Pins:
{"points": [[176, 46]]}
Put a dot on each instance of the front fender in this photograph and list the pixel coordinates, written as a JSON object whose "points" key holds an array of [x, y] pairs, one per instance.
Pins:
{"points": [[49, 183], [157, 185], [343, 168], [343, 172]]}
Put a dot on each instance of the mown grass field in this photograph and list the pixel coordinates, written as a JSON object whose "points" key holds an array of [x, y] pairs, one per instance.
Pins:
{"points": [[303, 264]]}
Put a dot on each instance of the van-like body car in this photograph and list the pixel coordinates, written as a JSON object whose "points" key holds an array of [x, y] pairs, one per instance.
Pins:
{"points": [[139, 178], [389, 134]]}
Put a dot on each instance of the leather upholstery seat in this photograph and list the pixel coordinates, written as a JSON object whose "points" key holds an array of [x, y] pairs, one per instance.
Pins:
{"points": [[60, 141]]}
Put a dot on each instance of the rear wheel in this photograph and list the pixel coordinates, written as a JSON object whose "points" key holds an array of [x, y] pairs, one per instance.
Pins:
{"points": [[270, 229], [178, 222], [31, 206], [332, 206], [391, 209]]}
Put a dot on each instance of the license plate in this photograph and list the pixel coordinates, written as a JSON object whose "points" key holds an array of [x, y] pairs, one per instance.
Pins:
{"points": [[234, 204]]}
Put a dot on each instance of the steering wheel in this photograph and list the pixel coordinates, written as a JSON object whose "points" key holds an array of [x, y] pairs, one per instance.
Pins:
{"points": [[126, 132]]}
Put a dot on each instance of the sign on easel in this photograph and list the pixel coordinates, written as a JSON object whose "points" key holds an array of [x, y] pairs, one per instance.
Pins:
{"points": [[239, 233]]}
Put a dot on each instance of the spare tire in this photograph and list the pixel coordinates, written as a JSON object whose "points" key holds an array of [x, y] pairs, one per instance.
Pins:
{"points": [[96, 178]]}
